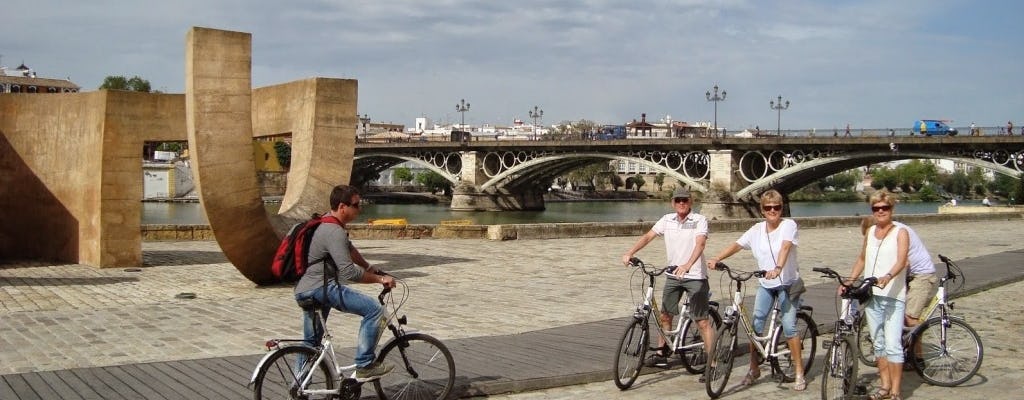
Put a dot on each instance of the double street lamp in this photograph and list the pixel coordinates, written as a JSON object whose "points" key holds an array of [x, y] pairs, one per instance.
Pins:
{"points": [[462, 106], [779, 107], [535, 113], [365, 119], [715, 98]]}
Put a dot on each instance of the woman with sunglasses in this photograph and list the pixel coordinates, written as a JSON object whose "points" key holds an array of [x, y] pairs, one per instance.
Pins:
{"points": [[884, 256], [773, 243]]}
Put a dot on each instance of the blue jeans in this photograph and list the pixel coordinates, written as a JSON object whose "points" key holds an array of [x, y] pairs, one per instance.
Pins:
{"points": [[763, 306], [346, 299], [885, 322]]}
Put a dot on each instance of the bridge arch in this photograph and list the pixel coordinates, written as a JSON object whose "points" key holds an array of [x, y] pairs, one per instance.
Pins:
{"points": [[548, 166], [798, 175], [446, 164]]}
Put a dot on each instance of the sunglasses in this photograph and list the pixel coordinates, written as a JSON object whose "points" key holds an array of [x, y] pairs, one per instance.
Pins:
{"points": [[681, 200], [777, 207], [880, 208], [353, 205]]}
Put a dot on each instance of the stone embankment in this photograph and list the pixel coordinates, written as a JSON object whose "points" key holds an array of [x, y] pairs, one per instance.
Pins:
{"points": [[582, 230]]}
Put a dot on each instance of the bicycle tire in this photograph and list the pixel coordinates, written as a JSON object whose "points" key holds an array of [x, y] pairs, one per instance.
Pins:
{"points": [[952, 364], [839, 379], [865, 346], [716, 375], [807, 330], [424, 369], [629, 355], [694, 360], [278, 376]]}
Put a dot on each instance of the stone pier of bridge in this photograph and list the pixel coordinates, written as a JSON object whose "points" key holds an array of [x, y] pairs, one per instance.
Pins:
{"points": [[470, 194]]}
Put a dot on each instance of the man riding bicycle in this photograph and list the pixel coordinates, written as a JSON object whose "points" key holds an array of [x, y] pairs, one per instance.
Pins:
{"points": [[333, 257], [685, 235]]}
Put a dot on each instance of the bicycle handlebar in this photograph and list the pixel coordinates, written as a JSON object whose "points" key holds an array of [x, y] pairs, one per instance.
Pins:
{"points": [[637, 263], [739, 275], [856, 284]]}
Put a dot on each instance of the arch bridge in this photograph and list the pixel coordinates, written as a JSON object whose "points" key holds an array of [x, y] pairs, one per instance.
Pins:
{"points": [[730, 172]]}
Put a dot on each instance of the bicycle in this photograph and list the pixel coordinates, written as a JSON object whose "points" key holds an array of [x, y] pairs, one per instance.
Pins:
{"points": [[839, 380], [424, 367], [944, 349], [772, 346], [685, 340]]}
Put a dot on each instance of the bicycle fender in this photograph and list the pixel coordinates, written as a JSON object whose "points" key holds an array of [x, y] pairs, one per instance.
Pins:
{"points": [[263, 360]]}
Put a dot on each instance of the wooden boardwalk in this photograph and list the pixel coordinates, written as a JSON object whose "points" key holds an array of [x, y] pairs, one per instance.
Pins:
{"points": [[559, 356]]}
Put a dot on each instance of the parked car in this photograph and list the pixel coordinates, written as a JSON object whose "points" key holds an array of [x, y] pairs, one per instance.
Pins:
{"points": [[933, 127]]}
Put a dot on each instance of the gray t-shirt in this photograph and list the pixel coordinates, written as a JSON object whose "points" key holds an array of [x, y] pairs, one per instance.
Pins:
{"points": [[329, 239]]}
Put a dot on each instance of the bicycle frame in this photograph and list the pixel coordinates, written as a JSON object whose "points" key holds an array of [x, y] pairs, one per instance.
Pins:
{"points": [[649, 306], [736, 311]]}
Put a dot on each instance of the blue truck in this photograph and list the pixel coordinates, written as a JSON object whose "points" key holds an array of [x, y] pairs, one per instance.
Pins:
{"points": [[932, 127]]}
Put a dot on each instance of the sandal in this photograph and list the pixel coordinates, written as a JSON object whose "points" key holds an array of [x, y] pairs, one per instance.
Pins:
{"points": [[800, 384], [895, 396], [880, 394], [751, 377]]}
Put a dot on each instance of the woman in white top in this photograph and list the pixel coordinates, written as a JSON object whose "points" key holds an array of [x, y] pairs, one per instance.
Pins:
{"points": [[773, 243], [884, 256]]}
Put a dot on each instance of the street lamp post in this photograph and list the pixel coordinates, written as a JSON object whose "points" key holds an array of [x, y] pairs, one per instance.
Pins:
{"points": [[535, 113], [668, 123], [462, 107], [779, 107], [715, 98], [365, 119]]}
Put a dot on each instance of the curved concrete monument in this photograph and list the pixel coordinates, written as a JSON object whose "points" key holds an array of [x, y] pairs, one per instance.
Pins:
{"points": [[71, 163]]}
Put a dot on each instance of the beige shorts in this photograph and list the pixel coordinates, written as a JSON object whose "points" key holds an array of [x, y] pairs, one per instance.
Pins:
{"points": [[921, 289]]}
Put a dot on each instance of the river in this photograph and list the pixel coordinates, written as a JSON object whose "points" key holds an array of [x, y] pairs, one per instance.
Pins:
{"points": [[587, 211]]}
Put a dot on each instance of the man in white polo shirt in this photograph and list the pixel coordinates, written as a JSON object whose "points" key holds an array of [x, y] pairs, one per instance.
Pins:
{"points": [[685, 234]]}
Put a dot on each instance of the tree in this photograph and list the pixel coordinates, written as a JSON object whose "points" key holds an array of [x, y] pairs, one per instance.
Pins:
{"points": [[403, 175], [617, 182], [659, 180], [434, 182], [1019, 191], [638, 182], [589, 175], [574, 129], [119, 82], [284, 154]]}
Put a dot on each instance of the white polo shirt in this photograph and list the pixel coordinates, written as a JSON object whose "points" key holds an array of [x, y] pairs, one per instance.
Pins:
{"points": [[680, 240]]}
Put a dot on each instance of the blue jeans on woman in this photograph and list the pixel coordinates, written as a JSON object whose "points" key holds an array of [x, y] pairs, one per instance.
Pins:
{"points": [[348, 300], [763, 306], [885, 322]]}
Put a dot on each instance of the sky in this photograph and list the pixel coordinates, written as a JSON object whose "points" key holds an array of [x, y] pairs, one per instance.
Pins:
{"points": [[872, 64]]}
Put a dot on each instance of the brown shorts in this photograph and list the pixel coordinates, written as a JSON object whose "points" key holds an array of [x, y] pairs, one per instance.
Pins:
{"points": [[921, 289]]}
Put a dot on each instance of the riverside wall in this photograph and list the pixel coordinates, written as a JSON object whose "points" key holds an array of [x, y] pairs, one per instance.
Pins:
{"points": [[582, 230]]}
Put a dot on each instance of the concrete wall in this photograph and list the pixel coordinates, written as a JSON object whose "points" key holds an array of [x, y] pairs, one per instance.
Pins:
{"points": [[70, 166]]}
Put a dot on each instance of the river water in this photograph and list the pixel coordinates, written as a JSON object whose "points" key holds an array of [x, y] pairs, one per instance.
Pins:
{"points": [[590, 211]]}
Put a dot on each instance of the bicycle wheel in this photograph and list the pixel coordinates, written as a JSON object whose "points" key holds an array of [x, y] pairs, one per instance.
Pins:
{"points": [[865, 347], [629, 357], [424, 369], [807, 331], [839, 379], [695, 358], [716, 375], [950, 363], [279, 377]]}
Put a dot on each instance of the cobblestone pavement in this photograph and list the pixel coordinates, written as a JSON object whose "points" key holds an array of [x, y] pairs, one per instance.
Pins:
{"points": [[65, 316], [999, 377]]}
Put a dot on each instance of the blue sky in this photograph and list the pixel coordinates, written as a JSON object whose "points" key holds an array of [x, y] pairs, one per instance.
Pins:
{"points": [[870, 64]]}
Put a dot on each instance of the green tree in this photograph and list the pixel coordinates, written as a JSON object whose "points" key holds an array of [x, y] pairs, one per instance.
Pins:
{"points": [[284, 154], [659, 180], [591, 174], [617, 182], [1019, 190], [958, 183], [928, 193], [434, 182], [574, 129], [638, 182], [404, 175], [119, 82]]}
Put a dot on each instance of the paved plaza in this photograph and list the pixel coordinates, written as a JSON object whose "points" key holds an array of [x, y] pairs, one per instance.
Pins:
{"points": [[58, 317]]}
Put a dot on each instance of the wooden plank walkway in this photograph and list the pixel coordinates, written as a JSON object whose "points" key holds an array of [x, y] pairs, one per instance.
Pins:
{"points": [[559, 356]]}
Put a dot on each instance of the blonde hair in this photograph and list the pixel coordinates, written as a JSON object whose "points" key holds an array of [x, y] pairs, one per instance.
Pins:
{"points": [[882, 195], [865, 224], [771, 196]]}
